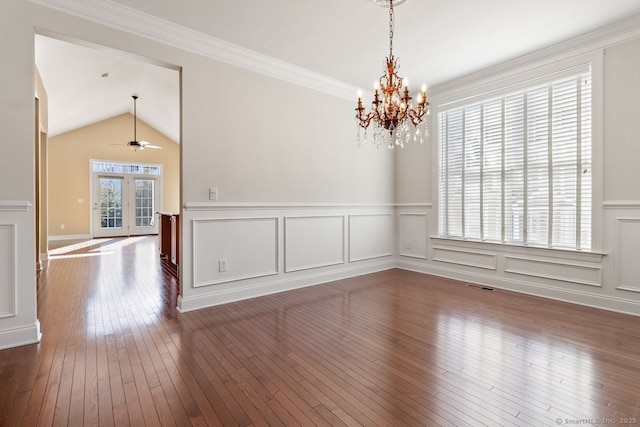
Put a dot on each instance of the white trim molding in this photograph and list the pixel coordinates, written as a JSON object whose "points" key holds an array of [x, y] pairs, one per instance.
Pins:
{"points": [[277, 284], [63, 237], [274, 247], [214, 206], [133, 21], [627, 247], [621, 204], [366, 245], [15, 206], [16, 337], [320, 243], [253, 242], [465, 257], [554, 270], [574, 296], [413, 234], [9, 261], [599, 39]]}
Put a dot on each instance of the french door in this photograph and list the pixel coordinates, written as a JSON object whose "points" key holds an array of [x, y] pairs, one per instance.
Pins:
{"points": [[124, 205]]}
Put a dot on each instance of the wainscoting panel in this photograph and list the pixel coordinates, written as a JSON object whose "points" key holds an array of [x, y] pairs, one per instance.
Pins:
{"points": [[413, 234], [627, 265], [548, 269], [484, 260], [270, 248], [370, 236], [313, 242], [8, 283], [18, 317], [248, 247]]}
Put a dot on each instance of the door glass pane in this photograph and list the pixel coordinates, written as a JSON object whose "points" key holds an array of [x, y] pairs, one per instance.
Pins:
{"points": [[145, 190], [110, 203]]}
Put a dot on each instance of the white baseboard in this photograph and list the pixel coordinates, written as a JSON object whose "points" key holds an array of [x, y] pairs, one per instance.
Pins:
{"points": [[20, 336], [604, 302], [70, 237], [274, 286]]}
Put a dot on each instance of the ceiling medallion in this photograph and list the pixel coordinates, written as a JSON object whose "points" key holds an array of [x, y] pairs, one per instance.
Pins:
{"points": [[386, 3], [392, 111]]}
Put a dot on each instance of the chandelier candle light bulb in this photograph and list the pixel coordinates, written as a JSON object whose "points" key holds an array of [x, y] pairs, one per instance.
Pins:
{"points": [[391, 110]]}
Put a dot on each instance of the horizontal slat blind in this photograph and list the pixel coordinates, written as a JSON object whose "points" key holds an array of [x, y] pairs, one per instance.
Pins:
{"points": [[517, 168]]}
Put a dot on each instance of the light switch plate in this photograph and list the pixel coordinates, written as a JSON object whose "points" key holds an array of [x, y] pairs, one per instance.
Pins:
{"points": [[213, 193]]}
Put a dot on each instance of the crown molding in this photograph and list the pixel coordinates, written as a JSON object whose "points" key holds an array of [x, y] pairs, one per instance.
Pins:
{"points": [[120, 17], [599, 39]]}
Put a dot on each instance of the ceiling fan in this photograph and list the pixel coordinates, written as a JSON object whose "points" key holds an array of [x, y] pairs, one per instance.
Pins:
{"points": [[136, 145]]}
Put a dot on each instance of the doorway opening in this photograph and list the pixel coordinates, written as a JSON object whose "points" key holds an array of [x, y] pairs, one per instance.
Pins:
{"points": [[89, 121]]}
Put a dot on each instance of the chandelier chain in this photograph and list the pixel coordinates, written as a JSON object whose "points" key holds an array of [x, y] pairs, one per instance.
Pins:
{"points": [[392, 25]]}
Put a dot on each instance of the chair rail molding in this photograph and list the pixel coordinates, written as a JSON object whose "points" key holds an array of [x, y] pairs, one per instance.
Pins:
{"points": [[15, 206]]}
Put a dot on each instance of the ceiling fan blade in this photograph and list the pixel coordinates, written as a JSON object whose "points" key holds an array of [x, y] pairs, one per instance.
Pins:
{"points": [[145, 144]]}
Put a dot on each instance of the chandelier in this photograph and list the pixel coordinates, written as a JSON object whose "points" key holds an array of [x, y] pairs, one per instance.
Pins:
{"points": [[392, 114]]}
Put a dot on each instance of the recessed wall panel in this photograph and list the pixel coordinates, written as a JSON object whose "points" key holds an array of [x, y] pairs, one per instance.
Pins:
{"points": [[313, 241], [370, 236], [465, 257], [7, 271], [226, 250], [628, 254], [413, 234], [548, 269]]}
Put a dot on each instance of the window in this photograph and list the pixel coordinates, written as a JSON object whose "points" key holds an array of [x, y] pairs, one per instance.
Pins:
{"points": [[516, 167], [113, 167]]}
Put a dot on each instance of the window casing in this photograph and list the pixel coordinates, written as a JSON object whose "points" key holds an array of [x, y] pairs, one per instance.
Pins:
{"points": [[516, 165]]}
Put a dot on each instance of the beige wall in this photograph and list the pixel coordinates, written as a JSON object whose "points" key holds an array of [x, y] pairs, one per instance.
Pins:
{"points": [[69, 174]]}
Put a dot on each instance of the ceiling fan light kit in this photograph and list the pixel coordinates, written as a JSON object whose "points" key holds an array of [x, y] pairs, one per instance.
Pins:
{"points": [[392, 113]]}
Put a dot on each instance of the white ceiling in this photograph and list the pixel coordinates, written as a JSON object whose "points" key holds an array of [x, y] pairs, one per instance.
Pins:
{"points": [[347, 40], [79, 95]]}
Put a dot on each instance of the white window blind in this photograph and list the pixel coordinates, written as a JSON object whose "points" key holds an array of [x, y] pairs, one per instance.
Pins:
{"points": [[516, 168]]}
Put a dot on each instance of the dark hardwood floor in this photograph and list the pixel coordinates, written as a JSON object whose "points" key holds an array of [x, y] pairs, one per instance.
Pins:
{"points": [[393, 348]]}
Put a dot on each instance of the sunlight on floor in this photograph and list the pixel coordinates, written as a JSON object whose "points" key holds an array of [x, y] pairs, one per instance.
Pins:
{"points": [[106, 246]]}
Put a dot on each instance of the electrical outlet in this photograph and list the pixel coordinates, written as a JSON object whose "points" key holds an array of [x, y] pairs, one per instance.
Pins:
{"points": [[408, 245], [222, 265], [213, 193]]}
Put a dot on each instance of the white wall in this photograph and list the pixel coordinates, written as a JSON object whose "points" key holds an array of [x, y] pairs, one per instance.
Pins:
{"points": [[257, 139], [299, 203], [18, 322], [609, 278]]}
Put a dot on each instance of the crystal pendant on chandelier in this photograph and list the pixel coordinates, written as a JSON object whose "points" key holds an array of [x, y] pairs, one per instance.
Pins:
{"points": [[394, 119]]}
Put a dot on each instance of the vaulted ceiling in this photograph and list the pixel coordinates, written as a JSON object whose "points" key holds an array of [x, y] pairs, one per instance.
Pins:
{"points": [[345, 40]]}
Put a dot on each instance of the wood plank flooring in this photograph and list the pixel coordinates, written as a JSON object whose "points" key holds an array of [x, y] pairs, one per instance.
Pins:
{"points": [[393, 348]]}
